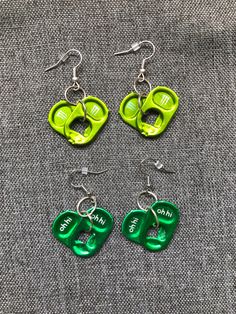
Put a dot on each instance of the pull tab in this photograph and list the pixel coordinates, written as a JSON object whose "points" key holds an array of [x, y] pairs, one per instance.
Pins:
{"points": [[130, 107], [137, 224], [65, 227], [97, 115], [164, 102], [73, 225], [101, 228], [91, 109], [168, 218]]}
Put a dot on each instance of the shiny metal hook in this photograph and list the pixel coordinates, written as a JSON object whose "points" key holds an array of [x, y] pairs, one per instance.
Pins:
{"points": [[157, 164], [137, 46], [89, 195], [84, 171], [64, 58]]}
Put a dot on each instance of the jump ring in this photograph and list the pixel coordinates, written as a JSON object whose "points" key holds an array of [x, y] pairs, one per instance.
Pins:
{"points": [[140, 77], [143, 81], [145, 193], [80, 212], [75, 89]]}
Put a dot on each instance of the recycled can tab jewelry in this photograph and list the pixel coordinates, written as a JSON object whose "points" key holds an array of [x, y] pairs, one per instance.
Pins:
{"points": [[68, 226], [137, 105], [63, 114], [161, 215], [95, 221], [87, 109], [161, 100], [138, 222]]}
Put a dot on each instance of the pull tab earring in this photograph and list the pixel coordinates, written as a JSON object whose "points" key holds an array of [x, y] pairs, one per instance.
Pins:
{"points": [[88, 108], [161, 215], [136, 106], [95, 221]]}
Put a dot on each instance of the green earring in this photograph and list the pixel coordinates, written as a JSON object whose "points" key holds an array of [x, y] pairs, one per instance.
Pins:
{"points": [[161, 215], [90, 109], [137, 105], [95, 221]]}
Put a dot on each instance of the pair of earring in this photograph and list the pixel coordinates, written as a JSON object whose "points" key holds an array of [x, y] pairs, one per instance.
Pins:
{"points": [[97, 222], [133, 108]]}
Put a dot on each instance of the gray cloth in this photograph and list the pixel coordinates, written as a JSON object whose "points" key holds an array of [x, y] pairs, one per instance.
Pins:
{"points": [[195, 56]]}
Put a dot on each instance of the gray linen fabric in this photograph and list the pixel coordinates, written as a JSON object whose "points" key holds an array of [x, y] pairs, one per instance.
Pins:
{"points": [[195, 41]]}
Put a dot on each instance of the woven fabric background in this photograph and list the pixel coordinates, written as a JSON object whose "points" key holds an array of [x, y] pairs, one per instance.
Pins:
{"points": [[196, 46]]}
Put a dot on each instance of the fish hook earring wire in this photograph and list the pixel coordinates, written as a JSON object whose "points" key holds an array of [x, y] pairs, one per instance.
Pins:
{"points": [[141, 76], [160, 167], [69, 225], [161, 215], [156, 163], [75, 79], [140, 102], [147, 191], [89, 195]]}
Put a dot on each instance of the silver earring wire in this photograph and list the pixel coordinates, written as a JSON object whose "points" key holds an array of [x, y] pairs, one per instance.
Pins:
{"points": [[84, 171], [64, 58], [75, 79], [158, 166], [136, 47], [141, 76], [89, 195]]}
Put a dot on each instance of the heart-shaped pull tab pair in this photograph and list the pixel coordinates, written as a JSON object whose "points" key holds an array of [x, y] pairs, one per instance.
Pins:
{"points": [[69, 225], [137, 224], [161, 100], [63, 114]]}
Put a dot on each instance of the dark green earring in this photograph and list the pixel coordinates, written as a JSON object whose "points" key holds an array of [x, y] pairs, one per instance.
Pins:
{"points": [[161, 215], [95, 221], [136, 106], [89, 108]]}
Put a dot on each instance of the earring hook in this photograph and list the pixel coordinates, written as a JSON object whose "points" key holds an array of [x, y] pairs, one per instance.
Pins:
{"points": [[64, 58], [84, 171], [136, 47], [141, 76], [76, 85], [157, 164]]}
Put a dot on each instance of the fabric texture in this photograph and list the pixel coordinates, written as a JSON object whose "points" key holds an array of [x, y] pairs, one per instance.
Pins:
{"points": [[195, 56]]}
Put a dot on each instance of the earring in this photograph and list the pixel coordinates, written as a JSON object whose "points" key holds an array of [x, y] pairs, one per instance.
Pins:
{"points": [[89, 108], [162, 215], [95, 221], [136, 105]]}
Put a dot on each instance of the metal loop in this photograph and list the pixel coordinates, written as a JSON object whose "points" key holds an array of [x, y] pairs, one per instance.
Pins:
{"points": [[87, 214], [141, 77], [75, 87], [137, 81], [146, 192]]}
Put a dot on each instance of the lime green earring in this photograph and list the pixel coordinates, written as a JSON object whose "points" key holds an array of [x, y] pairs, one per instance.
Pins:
{"points": [[65, 112], [136, 106], [161, 215], [96, 222]]}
